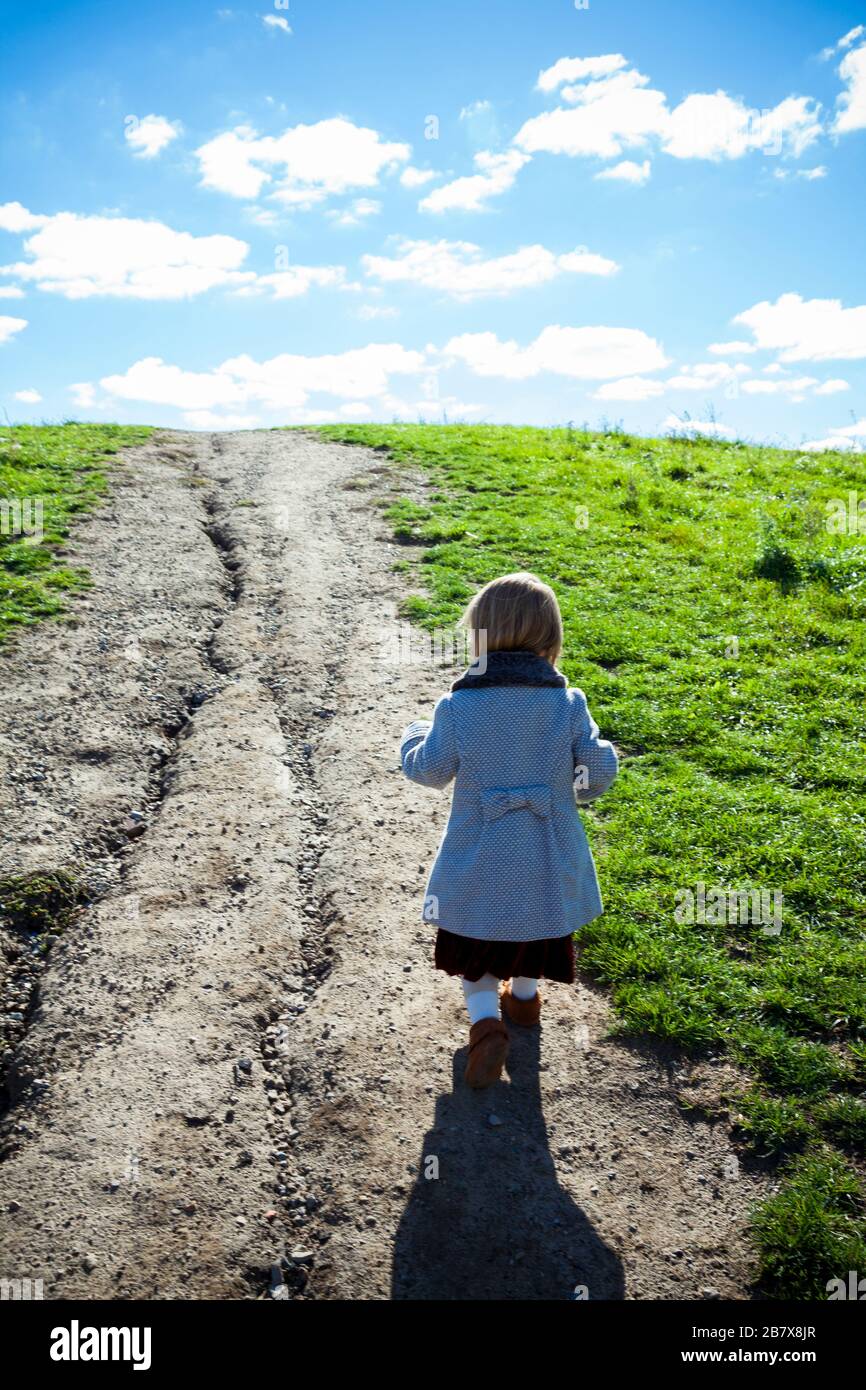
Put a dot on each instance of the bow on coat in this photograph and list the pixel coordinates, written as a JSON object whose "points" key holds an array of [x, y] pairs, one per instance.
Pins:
{"points": [[497, 800]]}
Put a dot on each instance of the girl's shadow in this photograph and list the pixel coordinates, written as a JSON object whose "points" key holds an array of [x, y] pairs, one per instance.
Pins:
{"points": [[487, 1218]]}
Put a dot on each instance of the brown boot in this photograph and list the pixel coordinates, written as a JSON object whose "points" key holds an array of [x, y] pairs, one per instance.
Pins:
{"points": [[488, 1048], [526, 1012]]}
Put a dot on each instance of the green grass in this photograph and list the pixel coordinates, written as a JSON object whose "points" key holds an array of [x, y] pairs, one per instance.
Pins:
{"points": [[59, 467], [744, 763]]}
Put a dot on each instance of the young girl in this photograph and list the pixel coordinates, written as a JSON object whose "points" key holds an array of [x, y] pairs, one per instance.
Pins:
{"points": [[514, 875]]}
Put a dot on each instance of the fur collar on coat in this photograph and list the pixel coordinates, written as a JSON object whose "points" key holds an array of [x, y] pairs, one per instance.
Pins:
{"points": [[510, 668]]}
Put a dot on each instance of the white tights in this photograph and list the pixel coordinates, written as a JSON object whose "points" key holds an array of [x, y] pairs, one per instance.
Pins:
{"points": [[482, 996]]}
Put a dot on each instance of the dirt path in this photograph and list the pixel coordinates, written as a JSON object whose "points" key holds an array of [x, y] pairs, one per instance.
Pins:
{"points": [[240, 1053]]}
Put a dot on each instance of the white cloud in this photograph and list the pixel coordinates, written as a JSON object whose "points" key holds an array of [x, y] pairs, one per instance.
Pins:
{"points": [[470, 194], [616, 109], [717, 127], [731, 349], [836, 442], [852, 36], [852, 103], [377, 311], [481, 126], [775, 381], [146, 137], [15, 218], [475, 108], [630, 388], [628, 171], [703, 376], [226, 163], [297, 280], [460, 269], [428, 409], [28, 396], [832, 387], [795, 386], [610, 108], [583, 262], [83, 393], [693, 428], [280, 383], [607, 116], [355, 213], [275, 21], [857, 430], [262, 217], [416, 178], [845, 42], [589, 353], [573, 69], [843, 437], [303, 166], [11, 292], [10, 326], [807, 330], [819, 172], [79, 257]]}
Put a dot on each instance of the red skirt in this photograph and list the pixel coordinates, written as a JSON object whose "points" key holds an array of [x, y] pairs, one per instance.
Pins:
{"points": [[549, 959]]}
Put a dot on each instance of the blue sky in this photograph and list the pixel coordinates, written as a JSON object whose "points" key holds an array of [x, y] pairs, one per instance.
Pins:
{"points": [[220, 216]]}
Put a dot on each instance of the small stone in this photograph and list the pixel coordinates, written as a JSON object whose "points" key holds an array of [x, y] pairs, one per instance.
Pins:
{"points": [[300, 1256], [90, 1262], [14, 1206], [493, 1120], [710, 1293]]}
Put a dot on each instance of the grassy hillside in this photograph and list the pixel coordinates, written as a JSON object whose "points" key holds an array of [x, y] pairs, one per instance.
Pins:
{"points": [[717, 627], [52, 473]]}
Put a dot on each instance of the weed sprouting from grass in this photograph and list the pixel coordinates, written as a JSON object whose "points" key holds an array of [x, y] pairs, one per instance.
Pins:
{"points": [[775, 560]]}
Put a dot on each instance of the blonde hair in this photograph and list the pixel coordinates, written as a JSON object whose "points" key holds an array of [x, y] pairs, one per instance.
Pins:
{"points": [[518, 613]]}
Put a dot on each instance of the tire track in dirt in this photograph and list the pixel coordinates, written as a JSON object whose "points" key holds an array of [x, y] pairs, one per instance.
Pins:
{"points": [[249, 1059]]}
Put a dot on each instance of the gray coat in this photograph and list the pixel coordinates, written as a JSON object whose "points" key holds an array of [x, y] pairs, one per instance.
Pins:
{"points": [[522, 750]]}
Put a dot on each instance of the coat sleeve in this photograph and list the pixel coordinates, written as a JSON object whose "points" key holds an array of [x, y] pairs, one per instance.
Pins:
{"points": [[428, 751], [595, 760]]}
